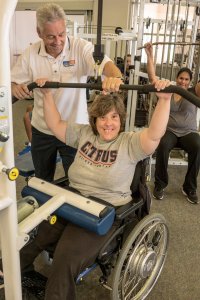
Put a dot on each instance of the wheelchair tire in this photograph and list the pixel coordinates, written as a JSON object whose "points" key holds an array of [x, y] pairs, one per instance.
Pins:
{"points": [[141, 259]]}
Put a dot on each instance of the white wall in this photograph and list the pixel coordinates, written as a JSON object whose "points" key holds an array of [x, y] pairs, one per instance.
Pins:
{"points": [[66, 4], [115, 13], [22, 32]]}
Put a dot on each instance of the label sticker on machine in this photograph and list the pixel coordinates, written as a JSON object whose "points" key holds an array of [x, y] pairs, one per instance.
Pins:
{"points": [[4, 121]]}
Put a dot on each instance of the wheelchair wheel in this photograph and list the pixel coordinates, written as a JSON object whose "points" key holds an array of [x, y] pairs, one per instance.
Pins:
{"points": [[141, 259]]}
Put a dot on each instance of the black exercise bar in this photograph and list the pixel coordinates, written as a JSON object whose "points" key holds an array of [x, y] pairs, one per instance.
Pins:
{"points": [[143, 89]]}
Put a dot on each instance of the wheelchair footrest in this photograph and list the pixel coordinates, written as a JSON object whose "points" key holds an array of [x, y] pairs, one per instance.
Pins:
{"points": [[34, 283]]}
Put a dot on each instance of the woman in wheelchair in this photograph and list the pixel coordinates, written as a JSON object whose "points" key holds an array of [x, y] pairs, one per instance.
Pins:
{"points": [[103, 167]]}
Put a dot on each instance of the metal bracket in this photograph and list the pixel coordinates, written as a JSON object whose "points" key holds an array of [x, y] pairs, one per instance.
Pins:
{"points": [[22, 239]]}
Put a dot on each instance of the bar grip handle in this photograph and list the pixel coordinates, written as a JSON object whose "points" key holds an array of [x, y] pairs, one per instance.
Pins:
{"points": [[144, 89]]}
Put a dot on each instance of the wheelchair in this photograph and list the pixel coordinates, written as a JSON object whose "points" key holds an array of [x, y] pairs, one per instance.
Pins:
{"points": [[132, 259]]}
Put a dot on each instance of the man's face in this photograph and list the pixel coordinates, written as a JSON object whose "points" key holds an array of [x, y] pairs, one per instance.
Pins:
{"points": [[54, 36]]}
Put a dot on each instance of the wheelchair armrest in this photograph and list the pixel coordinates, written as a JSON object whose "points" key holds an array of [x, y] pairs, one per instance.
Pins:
{"points": [[62, 182], [125, 210]]}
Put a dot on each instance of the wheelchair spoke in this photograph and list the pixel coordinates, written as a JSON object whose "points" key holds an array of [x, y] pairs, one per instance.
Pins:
{"points": [[142, 259], [131, 292], [131, 286]]}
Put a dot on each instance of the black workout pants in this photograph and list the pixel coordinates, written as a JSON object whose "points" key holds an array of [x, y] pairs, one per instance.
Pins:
{"points": [[76, 249], [191, 144], [44, 150]]}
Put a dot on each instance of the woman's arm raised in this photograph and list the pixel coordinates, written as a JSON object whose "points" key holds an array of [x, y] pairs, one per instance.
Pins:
{"points": [[51, 114], [150, 137]]}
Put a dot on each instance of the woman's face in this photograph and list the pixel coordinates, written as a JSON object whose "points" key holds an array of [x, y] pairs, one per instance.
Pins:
{"points": [[108, 126], [183, 80]]}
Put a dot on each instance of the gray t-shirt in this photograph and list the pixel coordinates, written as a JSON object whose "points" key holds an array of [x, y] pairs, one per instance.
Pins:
{"points": [[103, 169], [183, 116]]}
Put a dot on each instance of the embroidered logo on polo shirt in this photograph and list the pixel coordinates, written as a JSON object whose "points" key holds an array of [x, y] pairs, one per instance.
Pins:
{"points": [[69, 63]]}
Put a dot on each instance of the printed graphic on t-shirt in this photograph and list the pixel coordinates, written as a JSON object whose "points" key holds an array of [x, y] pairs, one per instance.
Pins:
{"points": [[97, 157]]}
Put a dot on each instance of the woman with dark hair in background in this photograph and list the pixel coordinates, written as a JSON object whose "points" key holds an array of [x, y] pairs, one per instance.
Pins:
{"points": [[181, 132]]}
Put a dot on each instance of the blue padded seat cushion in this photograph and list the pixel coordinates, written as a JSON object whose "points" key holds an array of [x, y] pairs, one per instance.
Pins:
{"points": [[76, 215]]}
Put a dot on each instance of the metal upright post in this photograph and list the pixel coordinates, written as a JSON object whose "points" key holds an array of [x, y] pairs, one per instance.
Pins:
{"points": [[8, 205], [185, 33], [170, 37], [196, 74], [152, 30], [193, 39], [157, 39], [175, 38], [137, 64], [165, 35], [133, 50], [98, 47]]}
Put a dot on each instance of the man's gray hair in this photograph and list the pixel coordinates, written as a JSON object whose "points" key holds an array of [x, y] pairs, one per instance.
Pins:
{"points": [[49, 12]]}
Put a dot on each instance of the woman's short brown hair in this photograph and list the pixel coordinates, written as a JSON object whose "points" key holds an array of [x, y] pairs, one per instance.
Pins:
{"points": [[102, 105]]}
